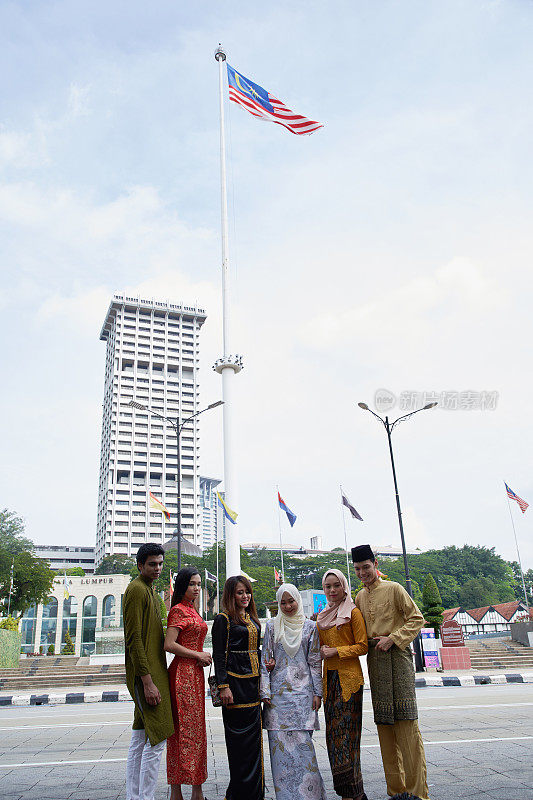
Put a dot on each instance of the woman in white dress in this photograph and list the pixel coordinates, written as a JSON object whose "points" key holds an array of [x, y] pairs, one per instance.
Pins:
{"points": [[291, 688]]}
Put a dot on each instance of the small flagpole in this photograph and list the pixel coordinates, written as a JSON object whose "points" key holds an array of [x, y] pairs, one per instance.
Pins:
{"points": [[517, 549], [280, 537], [228, 365], [346, 544], [10, 587], [217, 512]]}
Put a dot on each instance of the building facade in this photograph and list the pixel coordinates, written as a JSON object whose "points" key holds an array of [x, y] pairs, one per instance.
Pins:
{"points": [[152, 358], [94, 604], [65, 556], [488, 619], [213, 519]]}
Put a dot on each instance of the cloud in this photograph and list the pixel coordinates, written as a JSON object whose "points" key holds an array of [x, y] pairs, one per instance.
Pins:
{"points": [[410, 313], [80, 240]]}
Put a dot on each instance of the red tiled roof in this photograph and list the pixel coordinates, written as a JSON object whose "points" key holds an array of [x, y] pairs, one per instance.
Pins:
{"points": [[450, 613], [477, 613], [505, 609]]}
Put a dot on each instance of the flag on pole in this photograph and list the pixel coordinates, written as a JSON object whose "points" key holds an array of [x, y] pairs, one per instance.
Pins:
{"points": [[277, 576], [291, 516], [210, 577], [522, 503], [245, 575], [158, 505], [171, 579], [228, 513], [350, 508], [264, 105], [66, 593]]}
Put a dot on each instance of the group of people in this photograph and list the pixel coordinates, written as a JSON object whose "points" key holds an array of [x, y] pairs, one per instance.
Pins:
{"points": [[279, 686]]}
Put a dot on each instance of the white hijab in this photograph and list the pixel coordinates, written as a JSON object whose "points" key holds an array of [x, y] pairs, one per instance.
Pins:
{"points": [[288, 630]]}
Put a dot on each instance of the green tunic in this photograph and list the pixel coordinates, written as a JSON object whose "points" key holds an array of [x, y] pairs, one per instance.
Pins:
{"points": [[143, 635]]}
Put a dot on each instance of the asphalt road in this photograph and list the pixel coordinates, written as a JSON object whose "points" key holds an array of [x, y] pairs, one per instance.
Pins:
{"points": [[479, 744]]}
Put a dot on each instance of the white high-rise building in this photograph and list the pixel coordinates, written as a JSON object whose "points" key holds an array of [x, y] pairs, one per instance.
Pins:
{"points": [[152, 358], [213, 519]]}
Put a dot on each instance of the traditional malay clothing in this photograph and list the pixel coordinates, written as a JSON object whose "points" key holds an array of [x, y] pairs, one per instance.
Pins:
{"points": [[152, 725], [341, 625], [187, 748], [388, 610], [290, 719], [236, 661]]}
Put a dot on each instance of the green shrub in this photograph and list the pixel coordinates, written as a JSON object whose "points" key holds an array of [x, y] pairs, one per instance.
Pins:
{"points": [[9, 624], [432, 603], [68, 647]]}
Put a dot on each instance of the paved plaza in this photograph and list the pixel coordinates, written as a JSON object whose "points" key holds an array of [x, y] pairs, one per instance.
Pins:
{"points": [[479, 746]]}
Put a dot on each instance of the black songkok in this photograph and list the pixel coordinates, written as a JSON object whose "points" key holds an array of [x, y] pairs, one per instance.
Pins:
{"points": [[362, 553]]}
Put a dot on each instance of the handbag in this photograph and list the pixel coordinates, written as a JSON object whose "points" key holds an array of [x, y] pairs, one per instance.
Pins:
{"points": [[214, 691]]}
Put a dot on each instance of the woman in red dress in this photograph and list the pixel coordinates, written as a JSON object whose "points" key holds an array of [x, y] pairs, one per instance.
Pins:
{"points": [[186, 631]]}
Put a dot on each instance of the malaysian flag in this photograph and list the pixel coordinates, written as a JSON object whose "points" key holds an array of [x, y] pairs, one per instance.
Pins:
{"points": [[522, 503], [262, 104]]}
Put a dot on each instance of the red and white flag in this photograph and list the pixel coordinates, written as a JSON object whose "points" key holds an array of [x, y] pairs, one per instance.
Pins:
{"points": [[264, 105], [522, 503]]}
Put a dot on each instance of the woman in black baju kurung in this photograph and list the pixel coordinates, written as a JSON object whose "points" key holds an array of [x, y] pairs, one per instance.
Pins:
{"points": [[236, 635]]}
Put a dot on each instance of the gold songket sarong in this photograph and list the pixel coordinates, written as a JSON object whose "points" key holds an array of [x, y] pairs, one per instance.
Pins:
{"points": [[392, 684]]}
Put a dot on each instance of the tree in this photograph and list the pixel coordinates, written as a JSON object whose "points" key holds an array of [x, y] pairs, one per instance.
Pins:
{"points": [[116, 564], [432, 603], [11, 533], [71, 571], [32, 576], [68, 647]]}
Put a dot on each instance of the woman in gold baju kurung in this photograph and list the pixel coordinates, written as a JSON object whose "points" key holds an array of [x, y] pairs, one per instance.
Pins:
{"points": [[236, 635], [343, 638]]}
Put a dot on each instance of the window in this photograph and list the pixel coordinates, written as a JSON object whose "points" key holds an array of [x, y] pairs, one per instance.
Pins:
{"points": [[70, 613], [108, 611], [49, 624], [27, 630]]}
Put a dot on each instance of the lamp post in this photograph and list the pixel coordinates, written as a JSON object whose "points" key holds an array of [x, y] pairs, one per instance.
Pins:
{"points": [[389, 427], [178, 427]]}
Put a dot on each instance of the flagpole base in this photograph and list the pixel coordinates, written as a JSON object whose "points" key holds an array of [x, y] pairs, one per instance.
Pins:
{"points": [[232, 362]]}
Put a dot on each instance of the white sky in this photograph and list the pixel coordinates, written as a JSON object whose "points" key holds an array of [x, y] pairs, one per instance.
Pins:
{"points": [[391, 250]]}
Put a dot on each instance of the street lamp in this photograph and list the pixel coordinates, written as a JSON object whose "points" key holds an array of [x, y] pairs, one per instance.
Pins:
{"points": [[178, 427], [389, 427]]}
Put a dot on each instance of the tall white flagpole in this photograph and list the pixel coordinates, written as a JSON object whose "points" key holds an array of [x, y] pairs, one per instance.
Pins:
{"points": [[346, 544], [280, 538], [229, 364], [517, 549]]}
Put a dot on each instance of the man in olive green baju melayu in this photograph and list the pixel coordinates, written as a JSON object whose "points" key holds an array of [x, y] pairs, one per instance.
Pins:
{"points": [[146, 676]]}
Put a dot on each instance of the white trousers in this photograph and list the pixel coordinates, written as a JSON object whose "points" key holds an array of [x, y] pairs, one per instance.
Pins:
{"points": [[142, 767]]}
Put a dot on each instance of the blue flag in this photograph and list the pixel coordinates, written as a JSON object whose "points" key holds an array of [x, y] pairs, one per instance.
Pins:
{"points": [[291, 516]]}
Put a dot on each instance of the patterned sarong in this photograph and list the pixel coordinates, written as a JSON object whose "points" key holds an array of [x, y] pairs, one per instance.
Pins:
{"points": [[343, 738], [392, 684]]}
